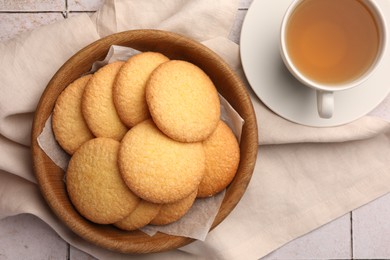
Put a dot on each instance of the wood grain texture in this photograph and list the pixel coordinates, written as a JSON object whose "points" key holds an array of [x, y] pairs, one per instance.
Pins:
{"points": [[174, 46]]}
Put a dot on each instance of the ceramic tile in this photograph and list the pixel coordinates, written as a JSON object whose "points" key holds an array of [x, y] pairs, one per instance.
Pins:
{"points": [[76, 254], [331, 241], [371, 230], [84, 5], [23, 237], [15, 23], [32, 5]]}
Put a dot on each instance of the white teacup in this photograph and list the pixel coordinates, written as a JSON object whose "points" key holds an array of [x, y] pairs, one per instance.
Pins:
{"points": [[317, 50]]}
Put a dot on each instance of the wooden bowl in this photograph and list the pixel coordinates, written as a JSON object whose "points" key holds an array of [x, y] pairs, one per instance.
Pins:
{"points": [[50, 177]]}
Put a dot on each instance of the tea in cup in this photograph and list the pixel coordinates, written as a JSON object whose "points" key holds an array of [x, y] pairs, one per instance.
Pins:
{"points": [[332, 45]]}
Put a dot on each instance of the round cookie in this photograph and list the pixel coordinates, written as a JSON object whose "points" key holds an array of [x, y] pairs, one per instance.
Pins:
{"points": [[98, 105], [172, 212], [69, 127], [222, 158], [157, 168], [141, 216], [129, 87], [94, 183], [183, 101]]}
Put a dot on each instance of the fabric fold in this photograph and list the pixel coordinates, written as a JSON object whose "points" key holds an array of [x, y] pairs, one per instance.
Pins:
{"points": [[16, 159], [285, 201], [200, 20], [32, 59]]}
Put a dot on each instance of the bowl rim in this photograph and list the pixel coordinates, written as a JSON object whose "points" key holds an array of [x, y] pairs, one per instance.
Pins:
{"points": [[44, 170]]}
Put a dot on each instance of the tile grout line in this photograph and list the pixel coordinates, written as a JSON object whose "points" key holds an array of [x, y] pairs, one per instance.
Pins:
{"points": [[351, 219], [28, 12], [82, 11], [44, 12], [68, 252], [66, 9]]}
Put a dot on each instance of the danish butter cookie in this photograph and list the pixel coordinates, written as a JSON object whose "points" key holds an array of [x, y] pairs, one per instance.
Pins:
{"points": [[129, 87], [172, 212], [141, 216], [94, 183], [69, 127], [222, 158], [98, 105], [183, 101], [157, 168]]}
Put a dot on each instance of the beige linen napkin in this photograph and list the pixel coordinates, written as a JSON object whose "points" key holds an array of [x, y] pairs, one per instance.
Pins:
{"points": [[304, 177]]}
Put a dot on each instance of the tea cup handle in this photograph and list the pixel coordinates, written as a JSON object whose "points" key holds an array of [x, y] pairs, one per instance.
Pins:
{"points": [[325, 103]]}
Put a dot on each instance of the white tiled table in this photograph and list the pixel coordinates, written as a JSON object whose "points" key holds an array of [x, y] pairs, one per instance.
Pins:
{"points": [[361, 234]]}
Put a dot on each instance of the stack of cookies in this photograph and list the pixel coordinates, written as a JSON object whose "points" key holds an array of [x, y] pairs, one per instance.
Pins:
{"points": [[145, 139]]}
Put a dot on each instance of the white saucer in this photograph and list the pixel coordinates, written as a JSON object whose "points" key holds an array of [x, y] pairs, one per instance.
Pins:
{"points": [[281, 92]]}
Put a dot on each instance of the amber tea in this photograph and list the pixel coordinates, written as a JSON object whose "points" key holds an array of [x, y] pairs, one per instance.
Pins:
{"points": [[332, 41]]}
